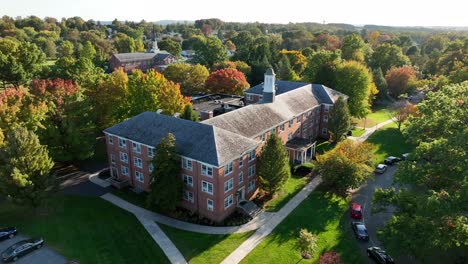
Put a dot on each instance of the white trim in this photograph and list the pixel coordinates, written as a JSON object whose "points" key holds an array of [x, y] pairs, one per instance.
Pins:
{"points": [[208, 207], [207, 189], [229, 186], [227, 199]]}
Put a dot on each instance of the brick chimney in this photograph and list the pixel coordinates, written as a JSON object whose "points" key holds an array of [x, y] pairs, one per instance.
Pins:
{"points": [[269, 87]]}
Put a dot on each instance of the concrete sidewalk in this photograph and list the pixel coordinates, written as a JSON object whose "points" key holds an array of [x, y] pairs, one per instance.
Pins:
{"points": [[237, 255], [371, 130]]}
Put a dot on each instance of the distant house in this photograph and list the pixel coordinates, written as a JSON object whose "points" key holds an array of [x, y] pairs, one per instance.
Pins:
{"points": [[155, 59], [218, 155]]}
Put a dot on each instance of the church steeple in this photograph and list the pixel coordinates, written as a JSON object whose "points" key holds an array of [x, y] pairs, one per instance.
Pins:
{"points": [[155, 48]]}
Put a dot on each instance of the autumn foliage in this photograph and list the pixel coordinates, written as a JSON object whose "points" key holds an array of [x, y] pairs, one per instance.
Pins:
{"points": [[400, 80], [330, 257], [228, 81]]}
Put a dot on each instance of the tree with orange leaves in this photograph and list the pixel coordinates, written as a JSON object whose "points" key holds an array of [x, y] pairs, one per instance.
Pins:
{"points": [[228, 81]]}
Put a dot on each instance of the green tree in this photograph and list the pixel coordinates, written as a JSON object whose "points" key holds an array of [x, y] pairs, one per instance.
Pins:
{"points": [[273, 165], [307, 243], [381, 83], [166, 184], [352, 48], [321, 67], [339, 120], [346, 166], [430, 217], [88, 51], [170, 46], [355, 80], [190, 77], [209, 51], [189, 114], [387, 56], [25, 168], [124, 43]]}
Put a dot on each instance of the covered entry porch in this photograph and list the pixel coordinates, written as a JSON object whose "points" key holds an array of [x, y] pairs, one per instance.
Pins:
{"points": [[301, 150]]}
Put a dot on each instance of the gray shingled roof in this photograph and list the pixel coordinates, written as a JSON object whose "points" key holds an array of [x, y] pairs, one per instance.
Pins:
{"points": [[281, 87], [134, 56], [255, 119], [199, 141]]}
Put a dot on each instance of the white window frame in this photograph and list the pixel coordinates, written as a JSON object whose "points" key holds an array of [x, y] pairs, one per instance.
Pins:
{"points": [[252, 155], [151, 167], [112, 159], [251, 171], [187, 179], [229, 200], [110, 140], [122, 143], [138, 162], [251, 186], [136, 147], [228, 185], [123, 157], [241, 177], [241, 161], [249, 97], [187, 164], [298, 119], [188, 196], [228, 168], [206, 188], [205, 170], [209, 205], [290, 136], [124, 170], [281, 128], [139, 176], [150, 151]]}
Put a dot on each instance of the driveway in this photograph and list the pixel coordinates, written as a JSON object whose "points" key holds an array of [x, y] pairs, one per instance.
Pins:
{"points": [[45, 255], [364, 197]]}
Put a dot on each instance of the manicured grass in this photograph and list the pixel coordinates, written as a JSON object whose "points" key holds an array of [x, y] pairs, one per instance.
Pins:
{"points": [[86, 229], [204, 248], [322, 214], [131, 197], [357, 132], [389, 142], [291, 188], [377, 116]]}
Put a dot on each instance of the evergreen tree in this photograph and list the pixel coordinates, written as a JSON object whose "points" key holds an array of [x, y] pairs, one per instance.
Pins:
{"points": [[25, 168], [189, 114], [339, 120], [273, 165], [166, 184]]}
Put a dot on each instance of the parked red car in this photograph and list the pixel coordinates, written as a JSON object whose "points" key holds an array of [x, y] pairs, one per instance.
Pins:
{"points": [[356, 211]]}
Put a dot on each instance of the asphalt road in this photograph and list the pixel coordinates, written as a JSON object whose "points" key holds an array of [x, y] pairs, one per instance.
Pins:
{"points": [[44, 255], [363, 196]]}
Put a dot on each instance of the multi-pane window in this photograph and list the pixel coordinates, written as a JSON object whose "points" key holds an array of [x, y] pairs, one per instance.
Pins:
{"points": [[228, 185], [251, 186], [124, 170], [251, 155], [281, 128], [291, 123], [241, 161], [136, 147], [139, 176], [122, 143], [251, 171], [110, 140], [209, 205], [188, 180], [207, 187], [228, 168], [241, 177], [228, 201], [150, 152], [123, 157], [151, 167], [188, 196], [262, 137], [187, 164], [298, 119], [138, 162], [207, 170], [112, 159], [249, 97], [289, 136]]}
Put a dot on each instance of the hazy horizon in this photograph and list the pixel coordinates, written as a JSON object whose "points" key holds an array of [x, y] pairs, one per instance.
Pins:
{"points": [[360, 12]]}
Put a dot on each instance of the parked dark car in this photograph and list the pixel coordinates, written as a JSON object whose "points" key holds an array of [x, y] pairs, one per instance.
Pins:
{"points": [[356, 211], [381, 168], [8, 232], [391, 160], [360, 230], [379, 255], [21, 248]]}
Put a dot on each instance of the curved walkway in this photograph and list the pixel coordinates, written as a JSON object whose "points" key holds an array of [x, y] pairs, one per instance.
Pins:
{"points": [[371, 130]]}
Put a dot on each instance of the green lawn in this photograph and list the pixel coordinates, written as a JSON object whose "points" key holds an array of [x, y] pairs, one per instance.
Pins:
{"points": [[86, 229], [357, 132], [322, 214], [323, 147], [377, 116], [204, 248], [138, 199], [291, 188], [389, 142]]}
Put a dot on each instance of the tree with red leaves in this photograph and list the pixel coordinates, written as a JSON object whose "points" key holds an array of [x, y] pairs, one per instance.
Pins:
{"points": [[227, 81], [68, 127], [330, 257], [400, 80]]}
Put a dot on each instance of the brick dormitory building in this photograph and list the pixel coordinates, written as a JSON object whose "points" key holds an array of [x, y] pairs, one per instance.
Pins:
{"points": [[218, 155]]}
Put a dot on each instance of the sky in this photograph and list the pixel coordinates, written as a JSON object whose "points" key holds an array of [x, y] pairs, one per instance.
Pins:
{"points": [[357, 12]]}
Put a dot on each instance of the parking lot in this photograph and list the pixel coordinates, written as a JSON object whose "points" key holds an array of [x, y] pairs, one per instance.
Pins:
{"points": [[45, 255]]}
